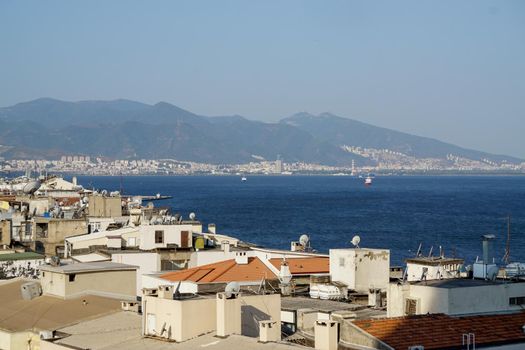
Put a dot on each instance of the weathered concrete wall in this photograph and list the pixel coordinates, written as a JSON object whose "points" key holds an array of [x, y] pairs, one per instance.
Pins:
{"points": [[361, 269], [180, 319], [20, 268], [109, 283], [255, 308], [100, 206]]}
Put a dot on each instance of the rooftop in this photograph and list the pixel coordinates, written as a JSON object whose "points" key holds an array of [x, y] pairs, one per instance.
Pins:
{"points": [[21, 256], [101, 234], [88, 267], [103, 332], [440, 331], [461, 283], [223, 271], [434, 260], [46, 312], [300, 266], [91, 257], [329, 306]]}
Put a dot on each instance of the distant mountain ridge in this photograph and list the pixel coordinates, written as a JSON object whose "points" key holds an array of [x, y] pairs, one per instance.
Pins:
{"points": [[124, 129]]}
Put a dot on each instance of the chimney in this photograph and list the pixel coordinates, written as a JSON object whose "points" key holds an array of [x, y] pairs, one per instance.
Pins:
{"points": [[225, 245], [241, 258], [74, 180], [228, 315], [326, 335], [212, 228], [269, 331], [165, 292], [488, 248]]}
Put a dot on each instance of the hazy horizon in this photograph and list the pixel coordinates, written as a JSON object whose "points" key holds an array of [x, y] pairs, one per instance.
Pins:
{"points": [[453, 71]]}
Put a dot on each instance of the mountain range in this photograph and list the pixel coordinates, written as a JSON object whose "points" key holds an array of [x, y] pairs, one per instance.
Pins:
{"points": [[122, 129]]}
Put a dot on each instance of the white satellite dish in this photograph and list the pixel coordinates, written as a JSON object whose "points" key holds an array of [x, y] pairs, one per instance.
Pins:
{"points": [[232, 289], [304, 239], [192, 216], [31, 187], [355, 241]]}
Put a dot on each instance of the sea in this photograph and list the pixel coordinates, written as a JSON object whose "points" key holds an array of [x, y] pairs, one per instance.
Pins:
{"points": [[448, 213]]}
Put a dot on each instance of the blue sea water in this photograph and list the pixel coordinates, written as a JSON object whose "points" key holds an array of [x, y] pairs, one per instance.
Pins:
{"points": [[397, 213]]}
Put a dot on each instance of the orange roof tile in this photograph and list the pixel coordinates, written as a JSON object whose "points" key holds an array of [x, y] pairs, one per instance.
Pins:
{"points": [[304, 266], [223, 271], [440, 331]]}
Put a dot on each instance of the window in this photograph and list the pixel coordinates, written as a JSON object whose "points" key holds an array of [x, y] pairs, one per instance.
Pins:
{"points": [[72, 277], [517, 301], [159, 236], [342, 262]]}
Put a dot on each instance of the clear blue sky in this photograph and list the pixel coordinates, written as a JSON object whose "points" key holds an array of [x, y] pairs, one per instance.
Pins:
{"points": [[453, 70]]}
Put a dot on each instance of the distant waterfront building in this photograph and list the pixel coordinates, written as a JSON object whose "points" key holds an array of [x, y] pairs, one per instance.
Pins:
{"points": [[278, 166]]}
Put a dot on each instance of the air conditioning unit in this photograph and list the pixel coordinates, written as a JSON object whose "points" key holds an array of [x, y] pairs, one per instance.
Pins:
{"points": [[416, 347]]}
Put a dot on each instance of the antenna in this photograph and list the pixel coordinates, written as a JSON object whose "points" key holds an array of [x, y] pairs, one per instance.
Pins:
{"points": [[506, 257], [430, 253], [419, 250], [355, 241]]}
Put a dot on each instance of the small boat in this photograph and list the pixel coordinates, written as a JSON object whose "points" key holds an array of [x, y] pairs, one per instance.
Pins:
{"points": [[368, 180], [244, 178]]}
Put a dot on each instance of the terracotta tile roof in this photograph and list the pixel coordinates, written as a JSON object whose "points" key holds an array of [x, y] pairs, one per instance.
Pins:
{"points": [[224, 271], [300, 266], [440, 331]]}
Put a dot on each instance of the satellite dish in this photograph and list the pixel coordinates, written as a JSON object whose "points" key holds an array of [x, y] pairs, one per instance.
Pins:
{"points": [[31, 187], [232, 289], [355, 241], [104, 193], [55, 261], [192, 216], [304, 240]]}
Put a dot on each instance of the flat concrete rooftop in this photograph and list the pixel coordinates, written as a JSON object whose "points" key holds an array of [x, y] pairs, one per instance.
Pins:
{"points": [[88, 267], [462, 283], [122, 330], [328, 306], [46, 312]]}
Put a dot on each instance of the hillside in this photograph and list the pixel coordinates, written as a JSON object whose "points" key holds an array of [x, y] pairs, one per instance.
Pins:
{"points": [[48, 128]]}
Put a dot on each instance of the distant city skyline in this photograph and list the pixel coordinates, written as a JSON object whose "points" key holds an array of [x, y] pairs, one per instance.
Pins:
{"points": [[449, 70]]}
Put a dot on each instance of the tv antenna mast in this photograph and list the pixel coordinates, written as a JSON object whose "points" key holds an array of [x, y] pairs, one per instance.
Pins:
{"points": [[506, 257]]}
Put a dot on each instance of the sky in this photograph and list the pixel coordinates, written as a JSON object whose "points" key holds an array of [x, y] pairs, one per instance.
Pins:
{"points": [[451, 70]]}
